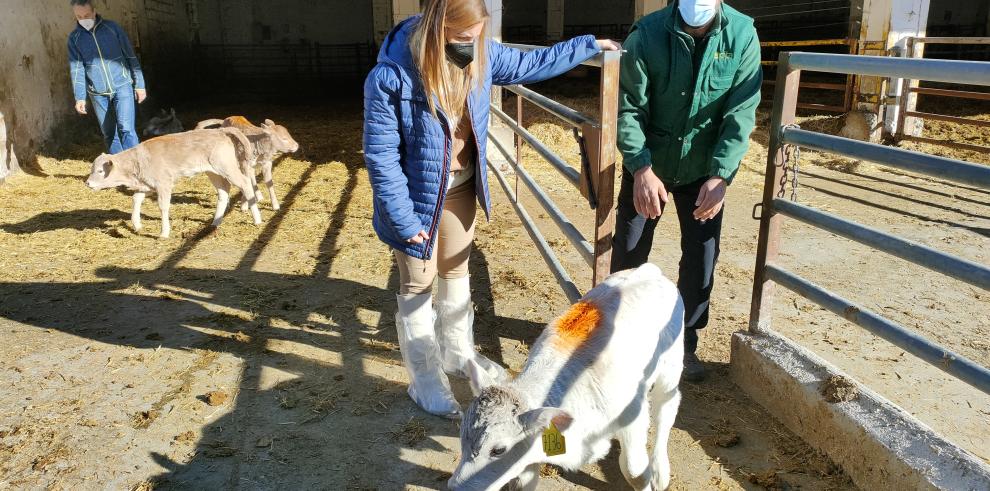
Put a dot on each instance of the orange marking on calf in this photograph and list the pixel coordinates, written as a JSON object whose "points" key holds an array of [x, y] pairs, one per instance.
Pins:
{"points": [[239, 122], [575, 326]]}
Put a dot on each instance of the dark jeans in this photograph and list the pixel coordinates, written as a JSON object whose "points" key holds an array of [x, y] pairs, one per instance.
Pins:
{"points": [[116, 116], [633, 240]]}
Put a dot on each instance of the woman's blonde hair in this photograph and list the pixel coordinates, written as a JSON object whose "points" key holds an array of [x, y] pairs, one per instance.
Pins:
{"points": [[443, 81]]}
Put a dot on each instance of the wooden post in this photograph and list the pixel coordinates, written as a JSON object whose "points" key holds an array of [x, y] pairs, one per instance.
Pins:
{"points": [[784, 108], [604, 165], [555, 20]]}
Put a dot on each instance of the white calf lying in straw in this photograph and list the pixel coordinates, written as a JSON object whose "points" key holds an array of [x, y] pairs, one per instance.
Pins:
{"points": [[225, 155], [598, 372], [270, 140]]}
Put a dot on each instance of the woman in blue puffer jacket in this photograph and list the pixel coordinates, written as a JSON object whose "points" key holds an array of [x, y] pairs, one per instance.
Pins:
{"points": [[425, 135]]}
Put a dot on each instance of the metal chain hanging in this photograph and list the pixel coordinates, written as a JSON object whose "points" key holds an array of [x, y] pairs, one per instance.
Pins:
{"points": [[792, 154], [795, 171]]}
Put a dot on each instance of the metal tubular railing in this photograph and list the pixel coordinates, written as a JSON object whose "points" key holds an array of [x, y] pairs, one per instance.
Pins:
{"points": [[596, 178], [947, 264], [598, 61], [564, 113], [910, 90], [572, 175], [768, 273], [942, 167], [951, 71], [570, 289], [956, 365], [565, 225]]}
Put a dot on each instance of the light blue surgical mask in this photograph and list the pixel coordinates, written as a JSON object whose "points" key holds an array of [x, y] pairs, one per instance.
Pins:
{"points": [[697, 13]]}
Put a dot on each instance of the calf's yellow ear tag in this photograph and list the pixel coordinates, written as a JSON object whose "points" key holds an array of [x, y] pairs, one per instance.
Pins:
{"points": [[553, 441]]}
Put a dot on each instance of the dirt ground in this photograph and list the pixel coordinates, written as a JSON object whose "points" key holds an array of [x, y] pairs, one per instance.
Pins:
{"points": [[265, 357]]}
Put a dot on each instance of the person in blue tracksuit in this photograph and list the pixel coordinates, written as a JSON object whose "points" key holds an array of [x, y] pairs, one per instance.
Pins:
{"points": [[426, 107], [103, 66]]}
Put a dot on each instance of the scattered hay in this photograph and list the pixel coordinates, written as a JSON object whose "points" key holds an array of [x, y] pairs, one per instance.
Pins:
{"points": [[216, 397], [839, 389], [219, 449], [42, 462], [148, 485], [143, 419], [185, 437], [410, 433], [378, 345], [725, 435], [768, 479], [287, 401], [548, 471]]}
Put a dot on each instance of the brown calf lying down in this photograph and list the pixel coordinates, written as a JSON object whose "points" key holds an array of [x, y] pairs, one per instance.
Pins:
{"points": [[269, 140], [225, 155]]}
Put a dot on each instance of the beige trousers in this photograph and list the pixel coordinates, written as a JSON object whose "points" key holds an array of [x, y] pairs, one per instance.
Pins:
{"points": [[452, 249]]}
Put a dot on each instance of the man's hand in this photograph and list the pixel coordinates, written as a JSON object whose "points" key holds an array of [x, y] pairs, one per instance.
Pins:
{"points": [[140, 95], [649, 194], [418, 238], [609, 45], [81, 107], [710, 199]]}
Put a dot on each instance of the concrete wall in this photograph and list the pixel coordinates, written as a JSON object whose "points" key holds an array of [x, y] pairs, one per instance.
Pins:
{"points": [[287, 21], [35, 93]]}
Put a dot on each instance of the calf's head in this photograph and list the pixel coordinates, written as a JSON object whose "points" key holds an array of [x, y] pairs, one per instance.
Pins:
{"points": [[500, 437], [105, 173], [282, 140]]}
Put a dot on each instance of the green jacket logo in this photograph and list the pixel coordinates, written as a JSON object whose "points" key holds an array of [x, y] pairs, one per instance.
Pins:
{"points": [[723, 55]]}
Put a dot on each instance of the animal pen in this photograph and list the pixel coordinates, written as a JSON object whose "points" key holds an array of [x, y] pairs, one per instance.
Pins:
{"points": [[266, 357]]}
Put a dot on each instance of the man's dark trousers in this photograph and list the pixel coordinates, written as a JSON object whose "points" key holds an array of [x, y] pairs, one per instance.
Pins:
{"points": [[633, 240]]}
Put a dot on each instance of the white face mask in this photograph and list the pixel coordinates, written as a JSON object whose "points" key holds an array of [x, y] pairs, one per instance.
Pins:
{"points": [[87, 24], [697, 13]]}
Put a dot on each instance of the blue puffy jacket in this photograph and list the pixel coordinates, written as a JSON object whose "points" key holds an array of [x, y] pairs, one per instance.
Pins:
{"points": [[102, 60], [407, 150]]}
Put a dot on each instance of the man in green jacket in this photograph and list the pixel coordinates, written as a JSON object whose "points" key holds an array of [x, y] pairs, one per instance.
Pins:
{"points": [[690, 85]]}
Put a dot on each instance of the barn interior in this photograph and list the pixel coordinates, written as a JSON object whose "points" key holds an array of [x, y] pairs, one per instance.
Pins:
{"points": [[290, 322]]}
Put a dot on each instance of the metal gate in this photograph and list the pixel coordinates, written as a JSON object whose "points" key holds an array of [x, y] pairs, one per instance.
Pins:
{"points": [[785, 135], [596, 178]]}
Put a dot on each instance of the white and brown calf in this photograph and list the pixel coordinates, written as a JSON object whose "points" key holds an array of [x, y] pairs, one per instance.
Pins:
{"points": [[599, 372], [225, 155], [270, 140]]}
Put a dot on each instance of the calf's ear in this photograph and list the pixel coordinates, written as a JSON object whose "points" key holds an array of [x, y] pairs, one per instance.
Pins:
{"points": [[478, 377], [538, 419]]}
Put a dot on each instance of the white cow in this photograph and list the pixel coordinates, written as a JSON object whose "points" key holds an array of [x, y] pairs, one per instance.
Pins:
{"points": [[598, 372]]}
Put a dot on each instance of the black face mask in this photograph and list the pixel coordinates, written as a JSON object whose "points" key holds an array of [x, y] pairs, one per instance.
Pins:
{"points": [[460, 54]]}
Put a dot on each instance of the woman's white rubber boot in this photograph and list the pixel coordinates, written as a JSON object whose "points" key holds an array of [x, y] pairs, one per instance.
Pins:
{"points": [[455, 330], [428, 384]]}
